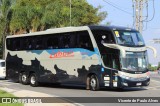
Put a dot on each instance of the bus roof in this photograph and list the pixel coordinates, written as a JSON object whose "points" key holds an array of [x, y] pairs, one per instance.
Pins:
{"points": [[71, 29], [54, 30], [110, 28]]}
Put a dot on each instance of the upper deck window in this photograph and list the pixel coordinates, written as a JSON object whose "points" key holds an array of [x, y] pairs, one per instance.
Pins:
{"points": [[129, 38], [103, 36]]}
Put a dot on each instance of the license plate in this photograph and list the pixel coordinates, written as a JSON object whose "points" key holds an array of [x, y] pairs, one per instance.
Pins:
{"points": [[138, 84]]}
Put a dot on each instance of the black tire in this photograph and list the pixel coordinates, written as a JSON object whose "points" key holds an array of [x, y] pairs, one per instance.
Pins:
{"points": [[33, 80], [94, 83], [5, 78], [24, 78], [20, 78], [120, 89]]}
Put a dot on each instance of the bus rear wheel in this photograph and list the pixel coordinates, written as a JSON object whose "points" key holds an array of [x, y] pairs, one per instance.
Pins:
{"points": [[94, 83], [23, 78], [33, 80]]}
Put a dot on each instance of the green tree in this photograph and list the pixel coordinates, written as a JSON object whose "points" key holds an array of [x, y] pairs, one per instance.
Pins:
{"points": [[21, 16], [35, 15], [150, 67], [159, 64], [26, 15], [5, 16]]}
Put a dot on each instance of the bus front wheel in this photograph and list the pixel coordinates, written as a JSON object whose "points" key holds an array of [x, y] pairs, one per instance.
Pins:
{"points": [[94, 83], [33, 80]]}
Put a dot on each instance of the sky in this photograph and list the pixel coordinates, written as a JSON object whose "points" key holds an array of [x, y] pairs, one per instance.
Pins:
{"points": [[121, 18]]}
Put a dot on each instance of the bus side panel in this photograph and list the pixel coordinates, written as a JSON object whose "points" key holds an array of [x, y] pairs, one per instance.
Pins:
{"points": [[13, 66], [16, 65], [63, 65]]}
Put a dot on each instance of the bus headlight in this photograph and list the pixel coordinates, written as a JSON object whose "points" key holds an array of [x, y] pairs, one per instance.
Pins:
{"points": [[125, 77]]}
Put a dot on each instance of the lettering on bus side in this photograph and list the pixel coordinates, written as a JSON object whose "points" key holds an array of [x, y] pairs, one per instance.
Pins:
{"points": [[60, 54]]}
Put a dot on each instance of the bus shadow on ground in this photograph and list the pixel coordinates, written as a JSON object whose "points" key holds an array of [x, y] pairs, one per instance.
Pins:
{"points": [[58, 86], [82, 87], [1, 79], [131, 89]]}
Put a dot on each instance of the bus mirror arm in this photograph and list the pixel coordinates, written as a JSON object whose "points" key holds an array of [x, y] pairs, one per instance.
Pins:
{"points": [[114, 46], [153, 49]]}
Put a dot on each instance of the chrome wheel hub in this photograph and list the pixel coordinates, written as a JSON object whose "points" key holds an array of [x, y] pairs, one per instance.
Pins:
{"points": [[24, 78], [93, 83], [33, 80]]}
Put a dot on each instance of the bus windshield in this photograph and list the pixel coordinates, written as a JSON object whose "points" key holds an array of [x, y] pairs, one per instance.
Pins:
{"points": [[134, 61], [129, 38]]}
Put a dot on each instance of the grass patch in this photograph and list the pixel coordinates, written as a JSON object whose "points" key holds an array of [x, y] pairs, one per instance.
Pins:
{"points": [[6, 94]]}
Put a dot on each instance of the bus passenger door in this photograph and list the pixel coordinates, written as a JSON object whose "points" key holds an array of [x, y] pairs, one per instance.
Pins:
{"points": [[111, 61]]}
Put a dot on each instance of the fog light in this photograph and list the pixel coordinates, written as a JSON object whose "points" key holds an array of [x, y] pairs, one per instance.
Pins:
{"points": [[125, 84]]}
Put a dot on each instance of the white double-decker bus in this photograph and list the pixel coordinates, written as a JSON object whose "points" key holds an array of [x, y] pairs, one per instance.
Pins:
{"points": [[91, 56]]}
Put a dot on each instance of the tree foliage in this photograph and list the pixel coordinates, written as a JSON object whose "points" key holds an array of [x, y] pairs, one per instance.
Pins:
{"points": [[4, 14], [158, 64], [152, 68], [36, 15]]}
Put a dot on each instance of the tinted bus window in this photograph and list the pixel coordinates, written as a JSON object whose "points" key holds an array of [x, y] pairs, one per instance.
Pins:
{"points": [[79, 39], [39, 43], [56, 42], [111, 60], [13, 44], [85, 41], [102, 36], [69, 40], [49, 43], [27, 43], [9, 44]]}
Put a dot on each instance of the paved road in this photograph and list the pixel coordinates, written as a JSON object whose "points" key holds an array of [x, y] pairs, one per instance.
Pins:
{"points": [[153, 90]]}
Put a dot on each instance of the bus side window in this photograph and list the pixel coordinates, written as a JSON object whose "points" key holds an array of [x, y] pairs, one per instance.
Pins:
{"points": [[102, 36], [55, 42], [27, 44], [111, 60], [30, 46], [66, 40], [85, 41], [39, 43], [50, 43], [10, 43], [16, 45], [69, 40], [73, 40], [107, 59]]}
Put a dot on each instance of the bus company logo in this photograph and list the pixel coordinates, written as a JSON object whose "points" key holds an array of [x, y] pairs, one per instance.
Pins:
{"points": [[62, 54]]}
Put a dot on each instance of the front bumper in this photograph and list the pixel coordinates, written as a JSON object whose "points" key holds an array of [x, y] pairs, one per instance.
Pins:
{"points": [[134, 82]]}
